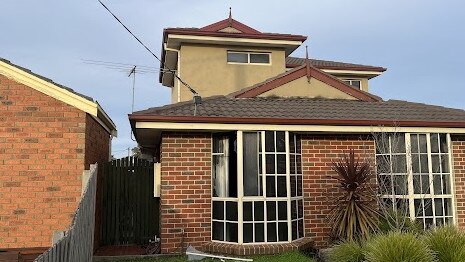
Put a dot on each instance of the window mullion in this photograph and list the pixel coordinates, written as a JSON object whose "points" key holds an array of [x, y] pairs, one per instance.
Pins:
{"points": [[265, 218], [408, 151], [452, 179], [240, 187], [430, 175], [288, 187]]}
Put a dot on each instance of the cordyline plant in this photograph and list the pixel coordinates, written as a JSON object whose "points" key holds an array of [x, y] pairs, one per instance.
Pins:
{"points": [[355, 214]]}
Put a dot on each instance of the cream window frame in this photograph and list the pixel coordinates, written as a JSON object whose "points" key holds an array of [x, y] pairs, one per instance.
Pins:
{"points": [[248, 53]]}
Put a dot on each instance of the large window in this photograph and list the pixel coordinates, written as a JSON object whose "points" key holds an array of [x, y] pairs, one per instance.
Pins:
{"points": [[414, 176], [248, 57], [268, 205]]}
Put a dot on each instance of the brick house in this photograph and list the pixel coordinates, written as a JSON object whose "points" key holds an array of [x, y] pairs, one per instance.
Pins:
{"points": [[49, 134], [247, 170]]}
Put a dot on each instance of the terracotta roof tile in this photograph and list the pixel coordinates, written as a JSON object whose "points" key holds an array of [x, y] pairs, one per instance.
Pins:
{"points": [[309, 108], [324, 64]]}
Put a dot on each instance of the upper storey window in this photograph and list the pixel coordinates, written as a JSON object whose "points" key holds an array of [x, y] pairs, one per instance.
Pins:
{"points": [[249, 58], [356, 83]]}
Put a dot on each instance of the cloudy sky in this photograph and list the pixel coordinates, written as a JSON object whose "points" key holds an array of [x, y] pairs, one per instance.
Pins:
{"points": [[420, 42]]}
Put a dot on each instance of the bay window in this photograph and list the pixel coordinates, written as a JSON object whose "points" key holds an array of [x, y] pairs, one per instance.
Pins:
{"points": [[414, 176], [264, 203]]}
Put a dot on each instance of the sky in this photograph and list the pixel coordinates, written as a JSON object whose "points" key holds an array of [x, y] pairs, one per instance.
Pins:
{"points": [[421, 43]]}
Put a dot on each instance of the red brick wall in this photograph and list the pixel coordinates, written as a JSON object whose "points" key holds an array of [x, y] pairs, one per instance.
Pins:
{"points": [[458, 159], [97, 151], [185, 201], [44, 146], [318, 153]]}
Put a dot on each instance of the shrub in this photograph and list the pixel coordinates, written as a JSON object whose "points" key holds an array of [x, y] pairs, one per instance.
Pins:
{"points": [[396, 221], [347, 251], [448, 244], [397, 246], [355, 213]]}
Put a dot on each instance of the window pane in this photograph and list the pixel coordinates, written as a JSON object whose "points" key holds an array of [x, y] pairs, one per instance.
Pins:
{"points": [[271, 231], [443, 143], [414, 143], [269, 141], [293, 186], [260, 58], [299, 185], [248, 211], [383, 164], [428, 204], [356, 83], [445, 163], [437, 185], [400, 187], [423, 145], [218, 231], [438, 207], [292, 164], [447, 206], [270, 186], [294, 209], [292, 143], [270, 164], [299, 164], [435, 164], [301, 228], [300, 208], [258, 211], [298, 143], [218, 210], [282, 186], [271, 211], [237, 57], [398, 143], [248, 233], [425, 184], [280, 142], [259, 232], [385, 184], [282, 231], [231, 211], [446, 184], [250, 160], [282, 210], [294, 230], [399, 164], [418, 203], [231, 232], [416, 184], [434, 138], [281, 164]]}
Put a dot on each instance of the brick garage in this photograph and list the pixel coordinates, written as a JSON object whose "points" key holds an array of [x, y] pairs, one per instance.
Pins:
{"points": [[45, 145]]}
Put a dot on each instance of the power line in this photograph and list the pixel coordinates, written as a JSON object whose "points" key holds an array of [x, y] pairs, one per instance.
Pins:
{"points": [[150, 51]]}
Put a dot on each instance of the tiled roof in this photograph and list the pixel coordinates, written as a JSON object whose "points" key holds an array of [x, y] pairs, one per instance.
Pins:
{"points": [[46, 79], [391, 111], [323, 64]]}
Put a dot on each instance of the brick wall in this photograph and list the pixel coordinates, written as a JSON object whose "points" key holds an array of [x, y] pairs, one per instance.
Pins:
{"points": [[318, 153], [458, 159], [185, 201], [97, 150], [42, 157]]}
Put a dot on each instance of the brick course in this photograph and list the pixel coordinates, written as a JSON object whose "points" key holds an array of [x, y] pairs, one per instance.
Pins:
{"points": [[42, 157]]}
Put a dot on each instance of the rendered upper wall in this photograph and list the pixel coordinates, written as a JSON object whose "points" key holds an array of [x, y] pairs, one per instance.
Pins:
{"points": [[206, 69]]}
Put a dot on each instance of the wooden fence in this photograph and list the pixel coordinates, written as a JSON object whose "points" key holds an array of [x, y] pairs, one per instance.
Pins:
{"points": [[78, 242], [130, 210]]}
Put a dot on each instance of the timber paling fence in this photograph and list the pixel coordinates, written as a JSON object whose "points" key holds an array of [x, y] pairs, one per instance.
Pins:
{"points": [[78, 242]]}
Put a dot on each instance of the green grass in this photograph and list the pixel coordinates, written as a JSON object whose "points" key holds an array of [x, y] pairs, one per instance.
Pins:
{"points": [[284, 257]]}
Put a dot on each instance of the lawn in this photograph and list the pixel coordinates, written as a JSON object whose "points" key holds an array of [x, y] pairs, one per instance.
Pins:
{"points": [[284, 257]]}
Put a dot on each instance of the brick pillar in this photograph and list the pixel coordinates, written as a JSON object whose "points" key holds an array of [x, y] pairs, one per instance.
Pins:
{"points": [[318, 153], [458, 160], [185, 200]]}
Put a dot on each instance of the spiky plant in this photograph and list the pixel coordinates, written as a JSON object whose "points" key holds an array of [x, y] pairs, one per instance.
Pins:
{"points": [[447, 243], [397, 246], [347, 251], [355, 214]]}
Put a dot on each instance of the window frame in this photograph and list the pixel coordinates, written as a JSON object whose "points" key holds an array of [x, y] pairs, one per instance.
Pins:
{"points": [[248, 53], [241, 198], [410, 195], [350, 80]]}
